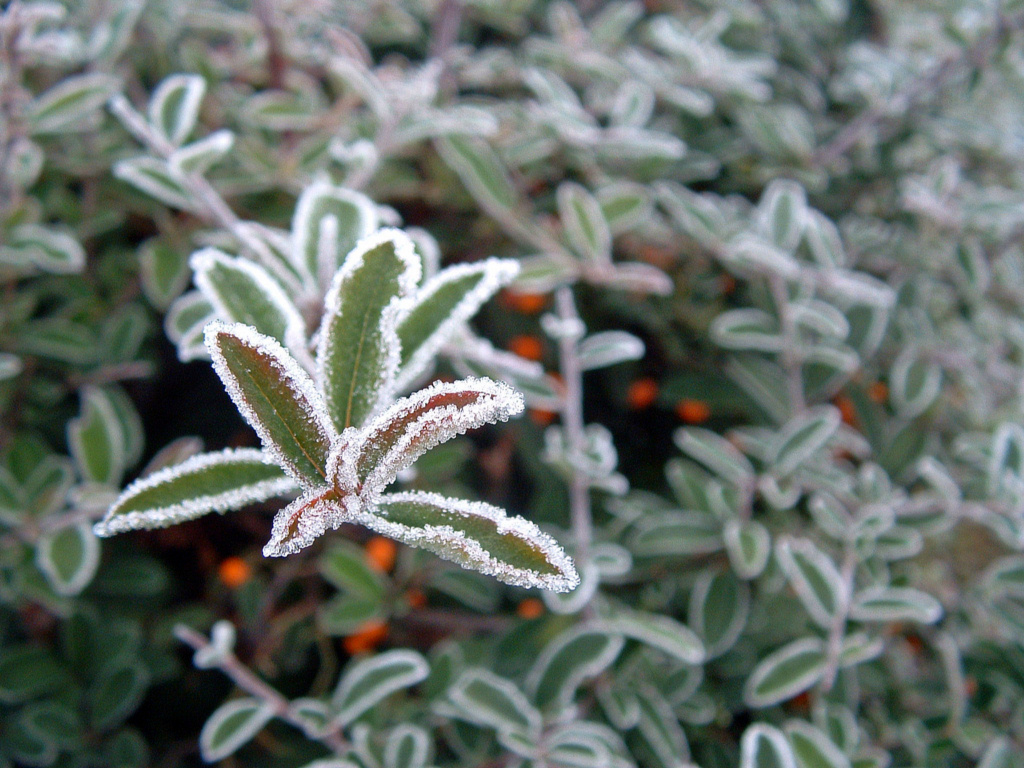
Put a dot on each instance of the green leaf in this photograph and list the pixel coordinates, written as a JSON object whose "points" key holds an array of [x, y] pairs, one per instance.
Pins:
{"points": [[243, 292], [660, 728], [814, 578], [625, 205], [812, 748], [158, 180], [174, 106], [442, 306], [367, 681], [276, 397], [201, 155], [895, 604], [407, 746], [359, 349], [68, 557], [584, 222], [211, 482], [44, 248], [54, 722], [495, 702], [746, 329], [60, 339], [764, 746], [327, 225], [117, 692], [573, 656], [69, 106], [676, 533], [803, 437], [823, 240], [600, 350], [716, 453], [783, 674], [475, 535], [719, 605], [748, 545], [914, 383], [783, 213], [231, 725], [27, 672], [96, 439], [481, 171], [661, 632], [362, 589]]}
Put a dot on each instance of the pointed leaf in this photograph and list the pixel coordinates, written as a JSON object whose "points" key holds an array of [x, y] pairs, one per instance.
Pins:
{"points": [[359, 348], [243, 292], [231, 725], [210, 482], [415, 424], [783, 674], [68, 557], [164, 272], [660, 728], [201, 155], [814, 578], [719, 605], [896, 604], [624, 204], [306, 519], [45, 248], [67, 106], [716, 453], [157, 179], [328, 223], [584, 222], [661, 632], [764, 746], [495, 702], [803, 437], [575, 655], [276, 397], [96, 439], [367, 681], [748, 545], [475, 535], [812, 748], [442, 306], [783, 213], [174, 106], [914, 383], [599, 350], [480, 170]]}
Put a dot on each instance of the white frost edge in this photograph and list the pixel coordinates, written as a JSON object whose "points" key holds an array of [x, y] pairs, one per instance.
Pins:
{"points": [[301, 230], [495, 274], [161, 517], [185, 119], [314, 523], [478, 712], [445, 538], [420, 746], [405, 252], [775, 737], [445, 422], [206, 259], [768, 664], [350, 710], [301, 384], [567, 195], [86, 568], [581, 672], [94, 397], [786, 550], [262, 713]]}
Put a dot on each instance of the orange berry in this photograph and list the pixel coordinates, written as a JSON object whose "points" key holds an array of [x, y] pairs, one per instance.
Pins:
{"points": [[846, 409], [526, 303], [234, 572], [641, 394], [727, 283], [416, 598], [530, 347], [366, 638], [693, 411], [542, 418], [530, 608], [915, 643], [380, 553], [878, 392]]}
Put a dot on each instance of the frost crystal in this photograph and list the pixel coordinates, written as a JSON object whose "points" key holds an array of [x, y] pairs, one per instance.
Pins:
{"points": [[155, 501], [307, 518], [446, 541]]}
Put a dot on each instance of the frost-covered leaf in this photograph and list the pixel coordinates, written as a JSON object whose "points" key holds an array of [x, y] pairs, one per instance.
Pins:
{"points": [[441, 307], [812, 748], [823, 241], [200, 156], [307, 518], [625, 205], [157, 179], [367, 681], [397, 437], [783, 213], [660, 728], [328, 223], [600, 350], [359, 350], [570, 658], [656, 631], [584, 222], [408, 746], [764, 746], [163, 271], [749, 545], [914, 383], [495, 702], [753, 256], [210, 482], [174, 106], [276, 397], [68, 557], [746, 329], [474, 535], [96, 438], [814, 578], [719, 605], [676, 533], [783, 674], [69, 106], [242, 291], [716, 453], [543, 272], [480, 170], [44, 248], [231, 725], [895, 604], [803, 437]]}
